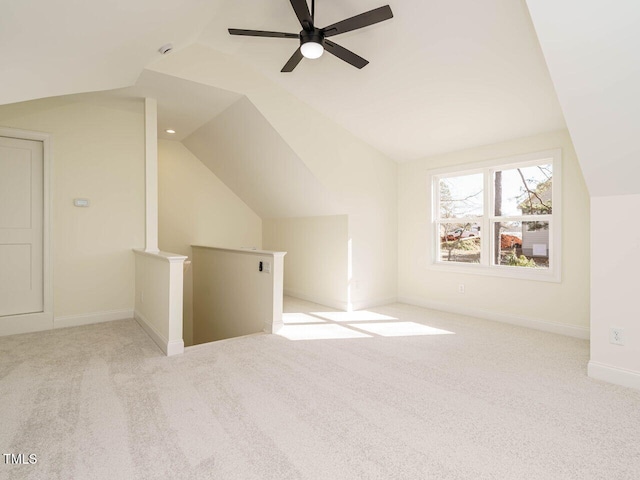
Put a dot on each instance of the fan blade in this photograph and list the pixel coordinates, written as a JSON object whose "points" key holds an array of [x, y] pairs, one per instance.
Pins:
{"points": [[293, 61], [302, 12], [344, 54], [262, 33], [359, 21]]}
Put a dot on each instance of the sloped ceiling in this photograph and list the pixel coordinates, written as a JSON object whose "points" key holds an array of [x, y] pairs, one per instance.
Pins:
{"points": [[61, 47], [183, 106], [592, 52], [443, 75], [244, 151]]}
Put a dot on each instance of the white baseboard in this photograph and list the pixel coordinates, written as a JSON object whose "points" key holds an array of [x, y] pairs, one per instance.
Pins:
{"points": [[328, 302], [90, 318], [618, 376], [560, 328], [174, 347], [28, 323], [372, 303], [272, 327], [338, 305]]}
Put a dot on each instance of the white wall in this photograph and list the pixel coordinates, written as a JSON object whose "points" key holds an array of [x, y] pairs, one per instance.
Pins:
{"points": [[360, 179], [98, 153], [316, 267], [244, 150], [562, 307], [591, 53], [158, 294], [615, 241], [195, 207]]}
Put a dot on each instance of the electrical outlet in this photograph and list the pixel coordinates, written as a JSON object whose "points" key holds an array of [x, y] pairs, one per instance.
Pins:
{"points": [[616, 336], [461, 288]]}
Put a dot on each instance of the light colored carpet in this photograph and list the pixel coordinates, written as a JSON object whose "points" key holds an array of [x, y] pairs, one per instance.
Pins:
{"points": [[400, 399]]}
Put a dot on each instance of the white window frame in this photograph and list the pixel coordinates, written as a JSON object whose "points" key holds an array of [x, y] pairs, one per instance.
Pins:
{"points": [[486, 267]]}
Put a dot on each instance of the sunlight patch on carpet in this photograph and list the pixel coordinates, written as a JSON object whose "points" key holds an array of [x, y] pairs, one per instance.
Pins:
{"points": [[319, 332], [297, 318], [401, 329], [358, 316]]}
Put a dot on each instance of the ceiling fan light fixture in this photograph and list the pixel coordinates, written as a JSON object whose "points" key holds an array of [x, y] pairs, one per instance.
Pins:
{"points": [[313, 39], [312, 50]]}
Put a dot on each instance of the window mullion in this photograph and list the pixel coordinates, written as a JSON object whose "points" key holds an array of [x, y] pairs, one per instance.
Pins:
{"points": [[487, 242], [460, 220], [521, 218], [435, 187]]}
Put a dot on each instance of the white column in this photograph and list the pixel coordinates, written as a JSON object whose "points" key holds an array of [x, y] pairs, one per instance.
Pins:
{"points": [[151, 174]]}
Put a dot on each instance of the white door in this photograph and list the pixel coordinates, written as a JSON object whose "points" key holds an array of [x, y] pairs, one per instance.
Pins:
{"points": [[21, 226]]}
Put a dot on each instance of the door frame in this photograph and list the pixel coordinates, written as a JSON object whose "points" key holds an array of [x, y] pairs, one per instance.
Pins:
{"points": [[33, 322]]}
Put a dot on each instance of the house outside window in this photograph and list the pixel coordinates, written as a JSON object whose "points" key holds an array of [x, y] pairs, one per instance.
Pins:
{"points": [[499, 218]]}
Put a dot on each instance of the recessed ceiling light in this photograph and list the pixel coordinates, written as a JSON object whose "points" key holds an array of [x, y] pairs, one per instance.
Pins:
{"points": [[168, 130]]}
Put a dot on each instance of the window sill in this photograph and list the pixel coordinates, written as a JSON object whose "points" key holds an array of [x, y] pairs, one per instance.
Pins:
{"points": [[518, 273]]}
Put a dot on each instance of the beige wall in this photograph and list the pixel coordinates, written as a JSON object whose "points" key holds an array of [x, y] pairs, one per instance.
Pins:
{"points": [[361, 179], [98, 153], [232, 297], [565, 303], [316, 266], [195, 207]]}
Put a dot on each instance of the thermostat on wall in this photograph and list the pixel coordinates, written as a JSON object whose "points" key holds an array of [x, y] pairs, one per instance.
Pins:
{"points": [[81, 202]]}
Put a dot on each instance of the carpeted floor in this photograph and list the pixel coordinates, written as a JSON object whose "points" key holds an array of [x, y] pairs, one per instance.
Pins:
{"points": [[399, 392]]}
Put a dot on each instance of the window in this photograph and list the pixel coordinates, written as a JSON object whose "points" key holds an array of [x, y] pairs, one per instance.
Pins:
{"points": [[499, 218]]}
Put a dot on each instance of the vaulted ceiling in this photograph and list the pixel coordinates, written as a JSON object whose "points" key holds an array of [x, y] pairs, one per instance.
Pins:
{"points": [[442, 75]]}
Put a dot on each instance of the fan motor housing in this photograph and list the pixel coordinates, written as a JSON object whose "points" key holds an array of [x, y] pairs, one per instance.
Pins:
{"points": [[314, 36]]}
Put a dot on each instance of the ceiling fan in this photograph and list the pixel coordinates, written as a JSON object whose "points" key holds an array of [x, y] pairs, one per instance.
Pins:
{"points": [[313, 40]]}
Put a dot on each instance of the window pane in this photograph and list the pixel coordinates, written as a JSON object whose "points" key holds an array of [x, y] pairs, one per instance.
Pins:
{"points": [[523, 191], [521, 244], [459, 242], [461, 196]]}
